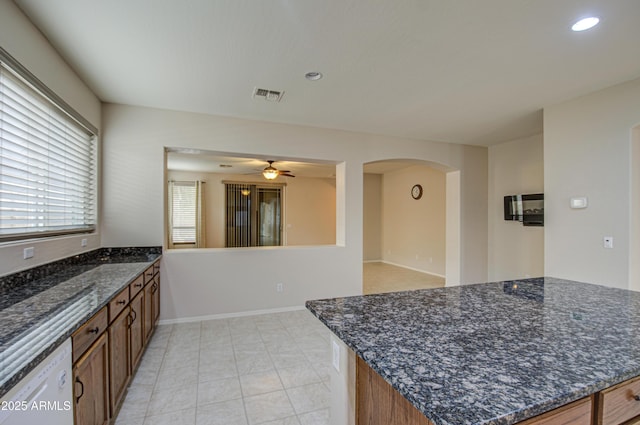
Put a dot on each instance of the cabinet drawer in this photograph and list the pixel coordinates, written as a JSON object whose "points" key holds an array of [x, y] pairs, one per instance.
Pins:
{"points": [[88, 333], [618, 404], [118, 303], [148, 274], [156, 267], [576, 413], [137, 285]]}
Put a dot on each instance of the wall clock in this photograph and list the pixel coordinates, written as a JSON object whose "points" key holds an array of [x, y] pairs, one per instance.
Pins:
{"points": [[416, 191]]}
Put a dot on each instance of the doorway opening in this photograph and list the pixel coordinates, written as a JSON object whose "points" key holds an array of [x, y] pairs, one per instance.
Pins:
{"points": [[410, 225]]}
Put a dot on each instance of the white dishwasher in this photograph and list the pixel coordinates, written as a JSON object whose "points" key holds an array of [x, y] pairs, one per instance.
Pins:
{"points": [[45, 395]]}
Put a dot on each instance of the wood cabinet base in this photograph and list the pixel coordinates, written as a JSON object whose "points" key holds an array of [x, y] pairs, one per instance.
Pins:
{"points": [[378, 403]]}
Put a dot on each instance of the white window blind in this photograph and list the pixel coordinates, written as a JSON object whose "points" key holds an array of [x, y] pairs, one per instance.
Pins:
{"points": [[183, 204], [47, 164]]}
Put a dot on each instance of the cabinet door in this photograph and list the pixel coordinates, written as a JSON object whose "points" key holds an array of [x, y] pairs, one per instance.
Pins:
{"points": [[156, 298], [91, 385], [119, 357], [135, 329], [148, 324]]}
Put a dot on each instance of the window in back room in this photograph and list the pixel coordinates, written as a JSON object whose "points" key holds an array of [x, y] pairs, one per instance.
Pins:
{"points": [[48, 160]]}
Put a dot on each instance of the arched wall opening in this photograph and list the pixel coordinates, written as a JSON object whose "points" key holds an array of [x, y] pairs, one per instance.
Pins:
{"points": [[411, 220]]}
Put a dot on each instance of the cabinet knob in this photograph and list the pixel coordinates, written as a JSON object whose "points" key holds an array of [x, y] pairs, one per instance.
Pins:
{"points": [[94, 330]]}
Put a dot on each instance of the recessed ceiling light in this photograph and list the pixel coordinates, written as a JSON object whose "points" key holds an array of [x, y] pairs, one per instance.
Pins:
{"points": [[585, 24], [313, 76]]}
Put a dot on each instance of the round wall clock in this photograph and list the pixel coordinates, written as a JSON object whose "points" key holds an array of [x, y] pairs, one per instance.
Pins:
{"points": [[416, 191]]}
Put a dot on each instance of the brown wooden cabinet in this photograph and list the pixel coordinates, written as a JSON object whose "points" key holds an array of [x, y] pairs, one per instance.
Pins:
{"points": [[148, 323], [91, 384], [136, 334], [119, 358], [619, 404], [155, 304], [577, 413], [109, 346]]}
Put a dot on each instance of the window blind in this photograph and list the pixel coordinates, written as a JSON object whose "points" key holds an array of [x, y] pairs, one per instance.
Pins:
{"points": [[47, 164], [183, 212]]}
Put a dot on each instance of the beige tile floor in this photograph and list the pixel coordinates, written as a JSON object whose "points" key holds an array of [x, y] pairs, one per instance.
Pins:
{"points": [[269, 369], [380, 277]]}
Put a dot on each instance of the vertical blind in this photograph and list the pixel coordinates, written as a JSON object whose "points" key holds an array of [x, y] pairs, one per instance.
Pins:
{"points": [[253, 215], [47, 165], [240, 220]]}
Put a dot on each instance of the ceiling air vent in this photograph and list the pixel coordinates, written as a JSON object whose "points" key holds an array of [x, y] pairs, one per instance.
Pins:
{"points": [[269, 95]]}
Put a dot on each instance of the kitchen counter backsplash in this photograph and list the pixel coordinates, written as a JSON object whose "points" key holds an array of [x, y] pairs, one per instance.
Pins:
{"points": [[21, 285], [43, 306]]}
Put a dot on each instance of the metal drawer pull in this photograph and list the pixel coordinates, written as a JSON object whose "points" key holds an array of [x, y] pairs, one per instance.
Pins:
{"points": [[636, 397], [138, 285], [94, 330], [122, 302]]}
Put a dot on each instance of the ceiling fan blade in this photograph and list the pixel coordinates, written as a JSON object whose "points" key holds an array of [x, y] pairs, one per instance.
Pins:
{"points": [[286, 175]]}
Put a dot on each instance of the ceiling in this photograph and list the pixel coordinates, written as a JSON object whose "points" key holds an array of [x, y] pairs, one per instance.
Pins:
{"points": [[459, 71], [212, 162]]}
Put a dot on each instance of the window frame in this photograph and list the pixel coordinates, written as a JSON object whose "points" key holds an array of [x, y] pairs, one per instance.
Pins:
{"points": [[90, 225]]}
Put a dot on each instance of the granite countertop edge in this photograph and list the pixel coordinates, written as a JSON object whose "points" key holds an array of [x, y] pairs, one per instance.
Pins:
{"points": [[123, 281]]}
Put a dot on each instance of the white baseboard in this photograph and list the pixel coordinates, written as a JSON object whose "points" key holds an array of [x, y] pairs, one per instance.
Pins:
{"points": [[411, 268], [229, 315]]}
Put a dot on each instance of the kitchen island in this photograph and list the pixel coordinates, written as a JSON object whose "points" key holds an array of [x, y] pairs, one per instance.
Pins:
{"points": [[492, 353]]}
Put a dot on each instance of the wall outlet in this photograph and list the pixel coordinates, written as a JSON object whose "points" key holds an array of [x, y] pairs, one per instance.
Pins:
{"points": [[608, 242], [83, 242], [279, 287], [336, 356], [28, 252]]}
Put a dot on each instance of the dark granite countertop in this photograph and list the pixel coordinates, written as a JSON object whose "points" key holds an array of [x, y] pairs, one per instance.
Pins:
{"points": [[493, 353], [40, 308]]}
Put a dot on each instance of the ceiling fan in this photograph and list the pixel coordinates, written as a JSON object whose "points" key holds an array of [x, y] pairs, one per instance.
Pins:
{"points": [[271, 172]]}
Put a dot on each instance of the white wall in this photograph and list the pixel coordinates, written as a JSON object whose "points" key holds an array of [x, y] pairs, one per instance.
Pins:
{"points": [[207, 282], [634, 249], [587, 153], [372, 217], [414, 231], [515, 251], [27, 45]]}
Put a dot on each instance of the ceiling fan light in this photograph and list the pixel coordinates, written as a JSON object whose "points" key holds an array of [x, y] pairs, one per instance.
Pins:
{"points": [[270, 173]]}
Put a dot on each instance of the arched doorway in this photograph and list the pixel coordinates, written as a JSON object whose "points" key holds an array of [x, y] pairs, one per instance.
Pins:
{"points": [[410, 225]]}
